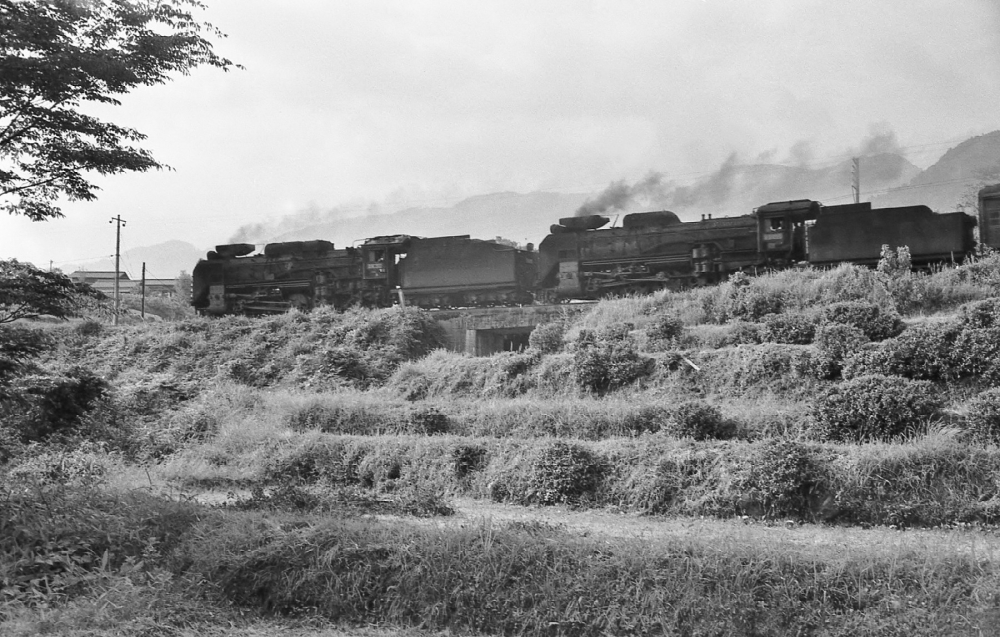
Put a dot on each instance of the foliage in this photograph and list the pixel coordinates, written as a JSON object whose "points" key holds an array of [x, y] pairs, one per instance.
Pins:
{"points": [[752, 301], [700, 421], [27, 292], [57, 542], [983, 314], [780, 479], [59, 56], [547, 338], [836, 342], [876, 323], [983, 419], [792, 328], [168, 308], [664, 330], [53, 404], [894, 263], [18, 346], [607, 360], [564, 472], [429, 420], [873, 408]]}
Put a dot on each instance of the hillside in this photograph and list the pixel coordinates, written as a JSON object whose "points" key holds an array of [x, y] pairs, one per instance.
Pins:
{"points": [[960, 171]]}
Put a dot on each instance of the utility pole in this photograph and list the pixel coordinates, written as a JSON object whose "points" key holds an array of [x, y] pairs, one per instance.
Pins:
{"points": [[143, 311], [118, 248], [856, 178]]}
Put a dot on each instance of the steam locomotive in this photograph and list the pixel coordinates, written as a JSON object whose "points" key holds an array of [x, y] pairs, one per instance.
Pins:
{"points": [[579, 259]]}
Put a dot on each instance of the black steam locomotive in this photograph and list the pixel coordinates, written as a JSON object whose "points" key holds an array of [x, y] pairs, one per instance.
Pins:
{"points": [[579, 259]]}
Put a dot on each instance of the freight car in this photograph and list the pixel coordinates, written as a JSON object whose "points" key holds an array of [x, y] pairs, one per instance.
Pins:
{"points": [[580, 258]]}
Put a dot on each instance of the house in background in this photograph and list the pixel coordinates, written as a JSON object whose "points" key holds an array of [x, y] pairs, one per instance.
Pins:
{"points": [[104, 281]]}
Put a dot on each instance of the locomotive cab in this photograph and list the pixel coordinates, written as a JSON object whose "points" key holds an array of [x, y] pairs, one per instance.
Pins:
{"points": [[381, 256], [781, 230]]}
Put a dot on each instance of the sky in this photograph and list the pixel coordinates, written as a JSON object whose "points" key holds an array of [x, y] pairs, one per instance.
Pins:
{"points": [[372, 106]]}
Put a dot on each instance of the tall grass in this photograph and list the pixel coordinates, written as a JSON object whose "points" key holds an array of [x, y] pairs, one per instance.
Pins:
{"points": [[538, 580]]}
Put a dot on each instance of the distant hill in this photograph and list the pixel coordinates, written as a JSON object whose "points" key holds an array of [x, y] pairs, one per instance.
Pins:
{"points": [[960, 171], [163, 260]]}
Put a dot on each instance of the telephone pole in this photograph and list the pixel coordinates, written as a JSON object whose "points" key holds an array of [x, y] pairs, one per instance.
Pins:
{"points": [[856, 178], [143, 311], [118, 248]]}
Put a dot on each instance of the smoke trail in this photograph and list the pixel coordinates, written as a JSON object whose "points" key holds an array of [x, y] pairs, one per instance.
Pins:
{"points": [[619, 195]]}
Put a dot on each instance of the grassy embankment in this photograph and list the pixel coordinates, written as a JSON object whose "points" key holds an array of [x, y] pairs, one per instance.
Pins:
{"points": [[844, 397]]}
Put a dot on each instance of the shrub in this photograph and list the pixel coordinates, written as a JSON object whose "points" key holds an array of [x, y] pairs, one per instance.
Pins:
{"points": [[752, 302], [922, 352], [55, 404], [873, 408], [744, 333], [89, 328], [564, 472], [836, 342], [980, 314], [664, 329], [547, 338], [468, 459], [976, 352], [781, 478], [429, 420], [867, 317], [701, 421], [608, 360], [983, 419], [792, 329]]}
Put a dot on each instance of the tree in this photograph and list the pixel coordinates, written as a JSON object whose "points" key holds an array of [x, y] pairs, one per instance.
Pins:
{"points": [[27, 292], [56, 55]]}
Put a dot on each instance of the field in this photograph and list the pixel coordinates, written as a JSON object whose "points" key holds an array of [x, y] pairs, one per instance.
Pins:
{"points": [[808, 452]]}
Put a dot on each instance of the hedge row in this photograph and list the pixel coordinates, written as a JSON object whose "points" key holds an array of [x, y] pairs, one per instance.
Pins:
{"points": [[936, 481]]}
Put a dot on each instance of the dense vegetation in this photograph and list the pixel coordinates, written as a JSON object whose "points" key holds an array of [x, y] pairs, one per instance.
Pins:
{"points": [[863, 401]]}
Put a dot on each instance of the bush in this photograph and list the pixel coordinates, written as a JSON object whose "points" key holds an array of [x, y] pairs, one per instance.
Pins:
{"points": [[665, 329], [51, 405], [980, 314], [983, 419], [547, 338], [429, 420], [744, 333], [922, 352], [836, 342], [781, 478], [701, 421], [792, 329], [564, 473], [608, 360], [867, 317], [752, 302], [873, 408]]}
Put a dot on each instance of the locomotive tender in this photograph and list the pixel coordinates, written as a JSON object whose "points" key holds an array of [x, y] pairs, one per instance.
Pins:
{"points": [[579, 259]]}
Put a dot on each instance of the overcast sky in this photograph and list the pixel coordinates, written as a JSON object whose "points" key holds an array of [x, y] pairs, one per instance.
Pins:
{"points": [[404, 103]]}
